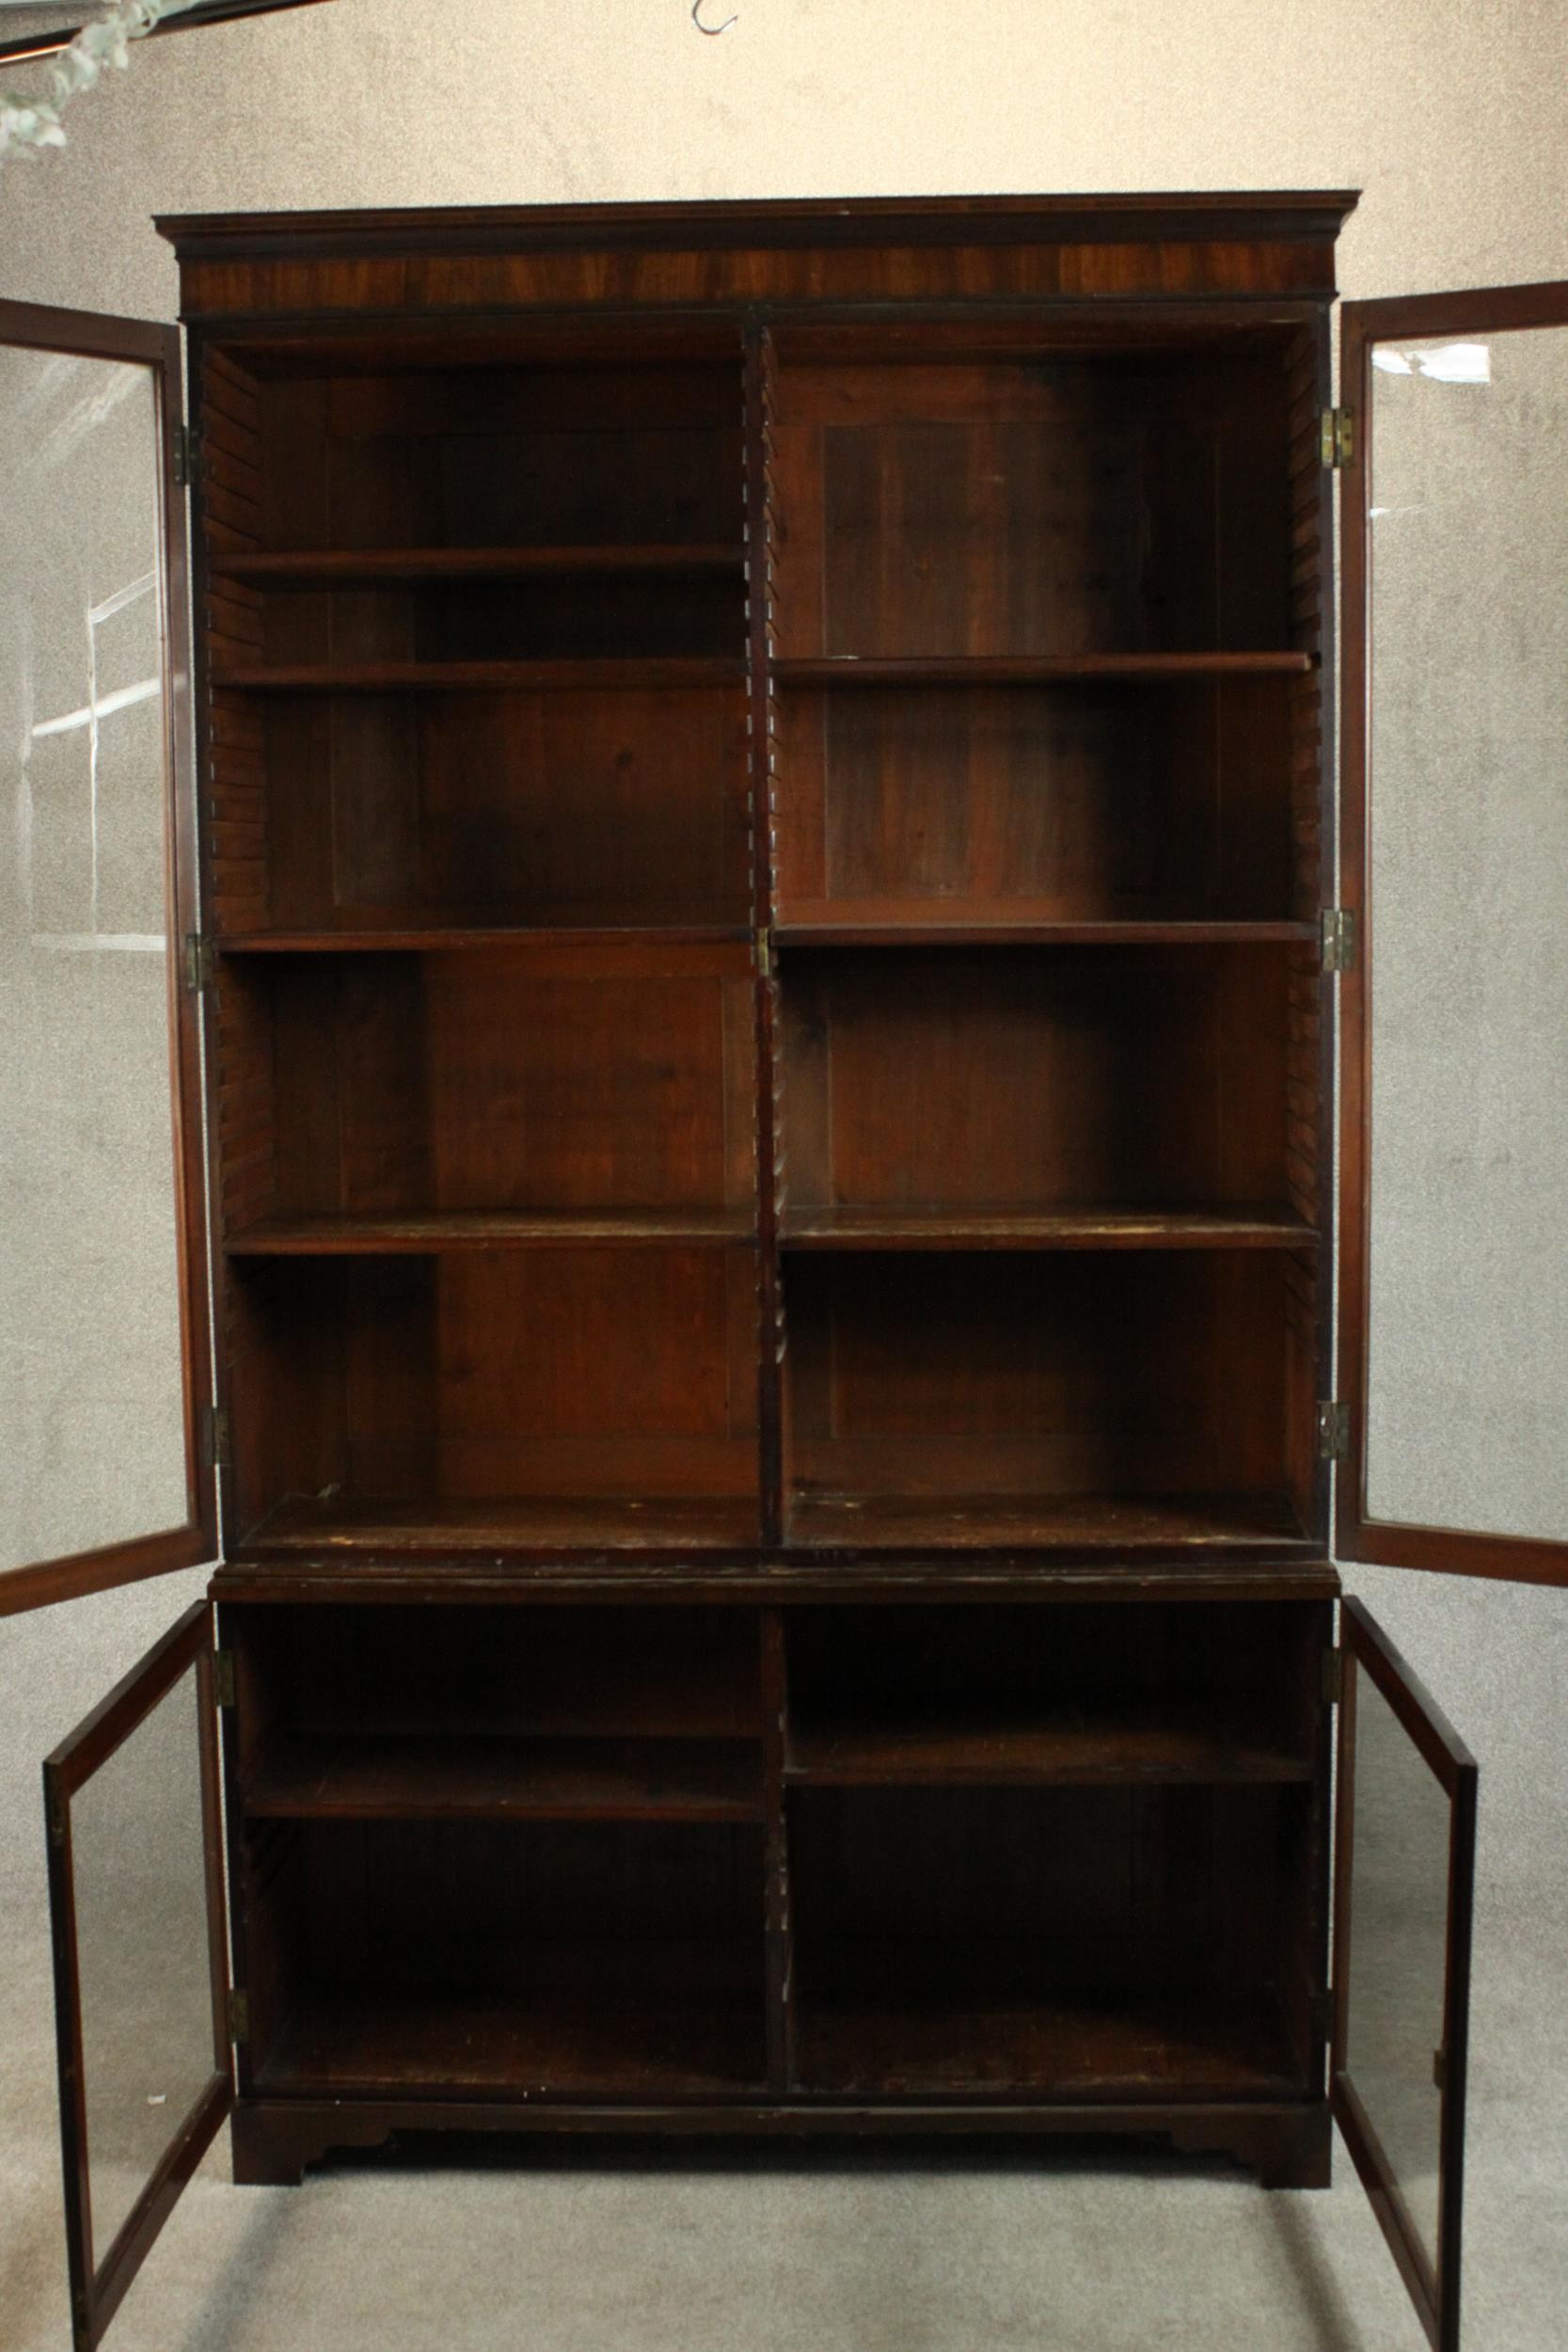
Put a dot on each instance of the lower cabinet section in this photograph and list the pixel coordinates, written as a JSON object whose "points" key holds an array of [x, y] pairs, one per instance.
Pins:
{"points": [[1049, 1865]]}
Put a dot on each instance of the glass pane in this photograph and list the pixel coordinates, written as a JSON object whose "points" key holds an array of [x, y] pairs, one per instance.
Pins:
{"points": [[1399, 1957], [142, 1941], [90, 1373], [1468, 880]]}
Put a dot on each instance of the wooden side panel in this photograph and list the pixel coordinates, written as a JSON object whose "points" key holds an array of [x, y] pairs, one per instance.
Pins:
{"points": [[231, 490], [1309, 1049]]}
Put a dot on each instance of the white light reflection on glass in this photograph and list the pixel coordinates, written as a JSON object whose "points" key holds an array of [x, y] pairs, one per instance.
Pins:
{"points": [[1446, 363]]}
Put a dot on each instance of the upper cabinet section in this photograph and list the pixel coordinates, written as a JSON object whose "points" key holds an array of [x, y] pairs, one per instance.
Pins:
{"points": [[755, 755], [104, 1366], [1454, 1334]]}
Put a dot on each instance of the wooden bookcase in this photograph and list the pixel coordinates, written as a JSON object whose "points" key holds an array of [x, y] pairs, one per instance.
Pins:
{"points": [[764, 891], [767, 952]]}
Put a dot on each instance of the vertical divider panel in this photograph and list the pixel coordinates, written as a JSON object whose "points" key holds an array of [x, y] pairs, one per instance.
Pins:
{"points": [[780, 1959], [761, 737]]}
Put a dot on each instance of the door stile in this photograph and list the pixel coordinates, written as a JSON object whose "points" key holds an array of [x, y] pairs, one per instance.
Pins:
{"points": [[187, 899], [67, 2047]]}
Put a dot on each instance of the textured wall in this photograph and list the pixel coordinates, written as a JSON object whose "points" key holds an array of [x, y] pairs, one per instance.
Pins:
{"points": [[1448, 113]]}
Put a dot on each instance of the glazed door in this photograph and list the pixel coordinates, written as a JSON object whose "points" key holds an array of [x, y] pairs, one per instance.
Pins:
{"points": [[104, 1352], [1404, 1872], [1453, 1323], [141, 1967]]}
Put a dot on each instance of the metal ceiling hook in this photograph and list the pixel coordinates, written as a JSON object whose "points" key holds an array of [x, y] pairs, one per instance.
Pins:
{"points": [[712, 30]]}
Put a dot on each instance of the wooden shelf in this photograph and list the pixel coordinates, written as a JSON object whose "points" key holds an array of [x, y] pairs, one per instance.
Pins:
{"points": [[404, 677], [1034, 669], [446, 939], [1204, 1741], [437, 1234], [958, 1229], [661, 2045], [881, 2042], [305, 1524], [1022, 922], [998, 1521], [330, 567], [473, 1778]]}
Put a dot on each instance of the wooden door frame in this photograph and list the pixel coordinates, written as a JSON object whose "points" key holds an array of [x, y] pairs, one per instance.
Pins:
{"points": [[148, 344], [98, 2286], [1356, 1535], [1432, 2286]]}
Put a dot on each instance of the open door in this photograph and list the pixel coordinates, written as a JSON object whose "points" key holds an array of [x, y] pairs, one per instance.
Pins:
{"points": [[1405, 1876], [1453, 1316], [106, 1373], [141, 1967]]}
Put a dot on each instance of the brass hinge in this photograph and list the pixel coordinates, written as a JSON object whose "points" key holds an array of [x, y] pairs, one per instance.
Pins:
{"points": [[764, 956], [1440, 2067], [199, 961], [58, 1807], [239, 2015], [1332, 1431], [224, 1689], [1337, 436], [1338, 930], [185, 459], [1334, 1677], [216, 1438]]}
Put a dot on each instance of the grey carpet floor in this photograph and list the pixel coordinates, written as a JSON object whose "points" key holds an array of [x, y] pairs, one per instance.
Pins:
{"points": [[709, 2250]]}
